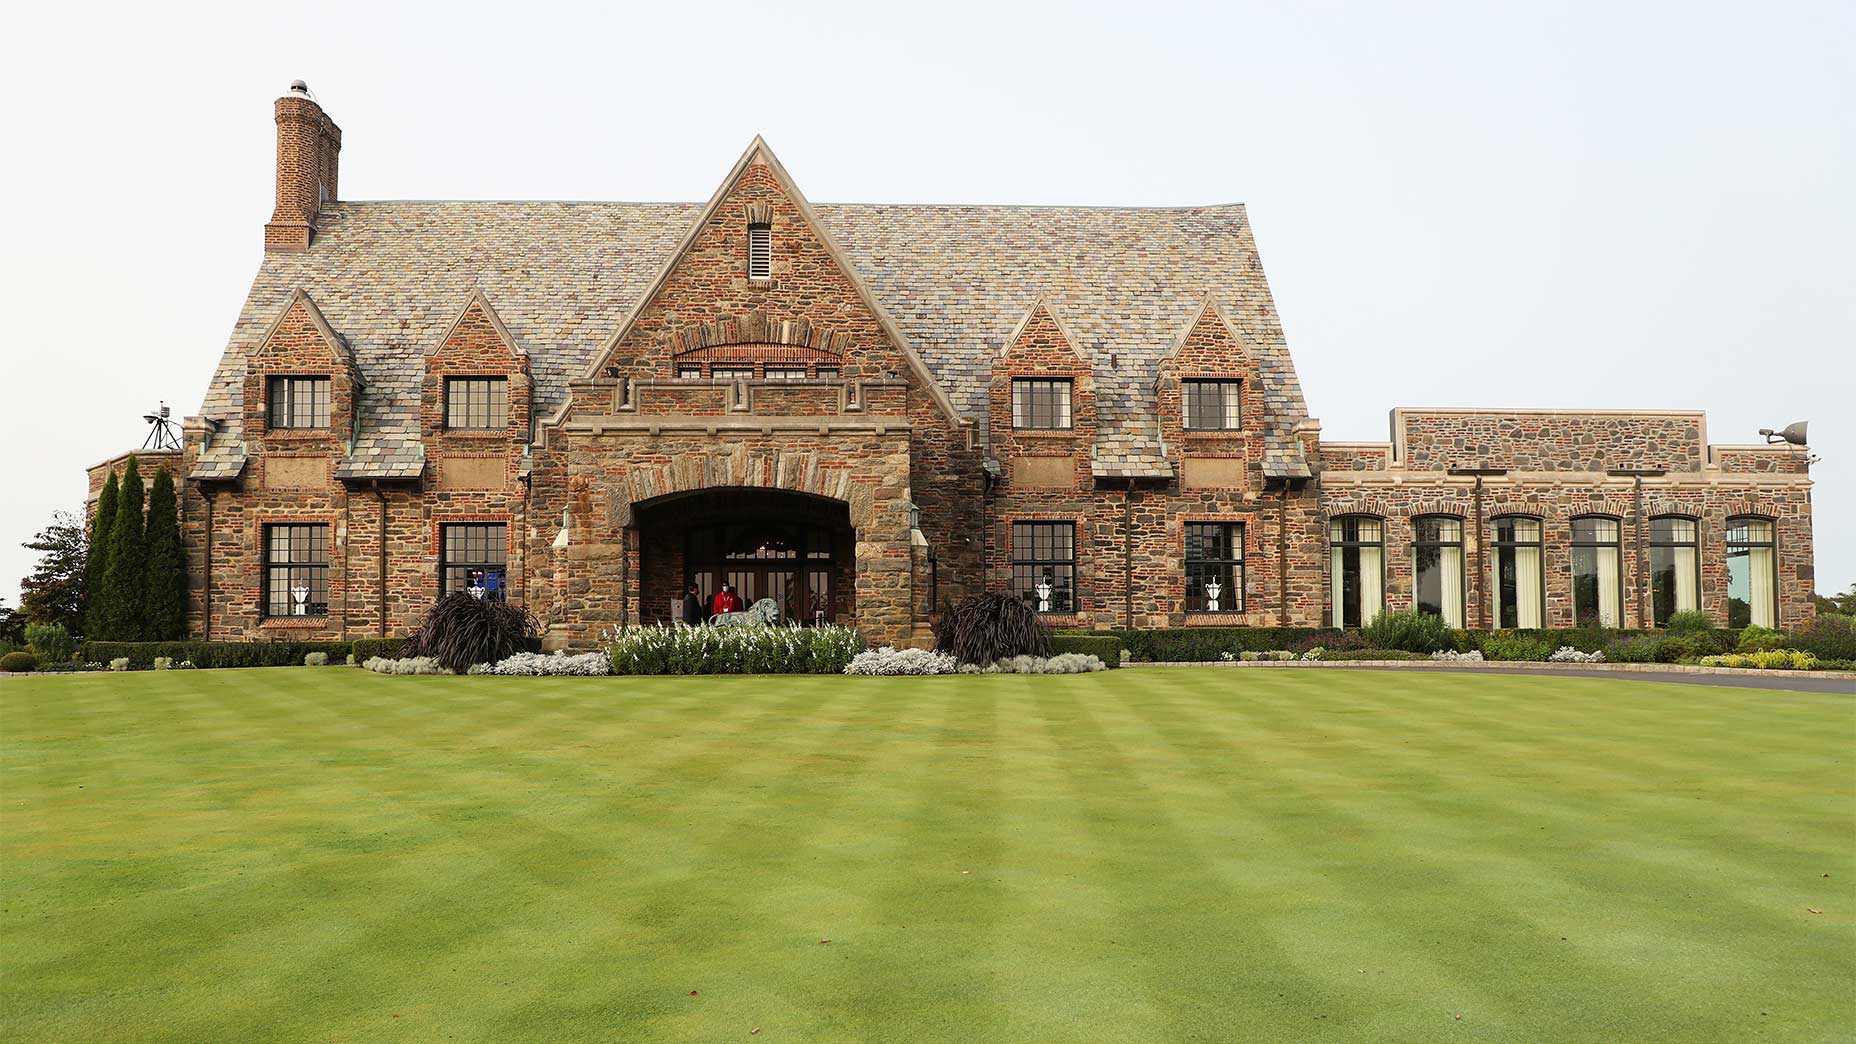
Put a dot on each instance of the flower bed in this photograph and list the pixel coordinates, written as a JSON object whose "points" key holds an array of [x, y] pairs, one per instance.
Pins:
{"points": [[677, 649]]}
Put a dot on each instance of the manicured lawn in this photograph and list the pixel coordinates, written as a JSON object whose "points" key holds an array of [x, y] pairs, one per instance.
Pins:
{"points": [[1144, 855]]}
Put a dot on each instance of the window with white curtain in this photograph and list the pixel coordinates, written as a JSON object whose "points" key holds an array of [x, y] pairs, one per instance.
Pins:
{"points": [[1356, 569], [1597, 595], [1437, 567], [1519, 599], [1675, 567], [1752, 579]]}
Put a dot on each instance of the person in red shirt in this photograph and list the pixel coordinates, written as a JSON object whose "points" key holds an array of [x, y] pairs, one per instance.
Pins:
{"points": [[725, 601]]}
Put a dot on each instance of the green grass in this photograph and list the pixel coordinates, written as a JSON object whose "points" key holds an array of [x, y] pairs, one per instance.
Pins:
{"points": [[1142, 855]]}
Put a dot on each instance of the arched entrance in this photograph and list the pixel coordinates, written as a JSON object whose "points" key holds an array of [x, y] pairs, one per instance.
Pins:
{"points": [[795, 548]]}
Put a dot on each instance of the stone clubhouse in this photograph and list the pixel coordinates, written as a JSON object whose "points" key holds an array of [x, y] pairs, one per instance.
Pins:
{"points": [[866, 412]]}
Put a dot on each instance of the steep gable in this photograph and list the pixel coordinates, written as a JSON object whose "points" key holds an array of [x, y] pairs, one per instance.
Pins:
{"points": [[705, 287], [1210, 345]]}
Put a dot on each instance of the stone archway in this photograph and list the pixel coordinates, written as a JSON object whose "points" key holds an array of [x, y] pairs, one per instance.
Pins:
{"points": [[796, 549], [876, 592]]}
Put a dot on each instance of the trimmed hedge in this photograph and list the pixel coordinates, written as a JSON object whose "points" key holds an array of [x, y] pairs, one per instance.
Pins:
{"points": [[1202, 644], [141, 655], [1104, 647], [1374, 654], [19, 662], [1209, 644], [365, 649]]}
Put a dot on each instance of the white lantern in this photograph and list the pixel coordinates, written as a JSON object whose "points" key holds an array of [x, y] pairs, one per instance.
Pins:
{"points": [[476, 591], [1212, 590], [301, 594], [1043, 590]]}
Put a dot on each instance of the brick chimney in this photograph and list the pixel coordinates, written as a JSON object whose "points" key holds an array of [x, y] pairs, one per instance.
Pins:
{"points": [[309, 146]]}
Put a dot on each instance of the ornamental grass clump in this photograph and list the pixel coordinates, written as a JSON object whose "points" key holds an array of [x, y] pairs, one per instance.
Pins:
{"points": [[1409, 630], [462, 630], [988, 628], [1769, 660], [678, 649]]}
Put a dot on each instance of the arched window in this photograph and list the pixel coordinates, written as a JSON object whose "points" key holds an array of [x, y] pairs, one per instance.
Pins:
{"points": [[1752, 573], [1356, 569], [1597, 594], [1520, 600], [1675, 567], [1437, 567]]}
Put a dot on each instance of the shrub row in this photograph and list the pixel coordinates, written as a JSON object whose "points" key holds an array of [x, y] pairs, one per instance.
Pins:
{"points": [[1104, 647], [141, 655], [1830, 639], [366, 649]]}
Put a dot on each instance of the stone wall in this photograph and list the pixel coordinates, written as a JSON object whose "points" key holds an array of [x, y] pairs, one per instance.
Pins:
{"points": [[1547, 440]]}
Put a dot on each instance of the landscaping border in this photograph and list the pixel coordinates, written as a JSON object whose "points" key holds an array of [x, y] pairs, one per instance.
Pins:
{"points": [[1520, 667]]}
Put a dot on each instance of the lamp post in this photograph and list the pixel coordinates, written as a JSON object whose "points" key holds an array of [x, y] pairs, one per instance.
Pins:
{"points": [[300, 593], [1043, 592], [1212, 590]]}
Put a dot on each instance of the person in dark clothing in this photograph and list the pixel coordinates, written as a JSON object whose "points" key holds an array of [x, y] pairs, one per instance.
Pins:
{"points": [[692, 606]]}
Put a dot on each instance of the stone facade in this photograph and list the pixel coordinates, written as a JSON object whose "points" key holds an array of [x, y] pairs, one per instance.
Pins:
{"points": [[860, 392]]}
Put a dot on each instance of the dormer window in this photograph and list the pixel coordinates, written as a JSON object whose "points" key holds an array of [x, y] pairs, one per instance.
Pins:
{"points": [[1212, 405], [760, 251], [1041, 403], [299, 402], [476, 402]]}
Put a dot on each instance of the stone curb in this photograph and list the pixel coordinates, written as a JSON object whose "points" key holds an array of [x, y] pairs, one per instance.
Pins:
{"points": [[1508, 665]]}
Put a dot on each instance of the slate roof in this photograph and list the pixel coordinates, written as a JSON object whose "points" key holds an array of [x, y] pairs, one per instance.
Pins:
{"points": [[391, 276]]}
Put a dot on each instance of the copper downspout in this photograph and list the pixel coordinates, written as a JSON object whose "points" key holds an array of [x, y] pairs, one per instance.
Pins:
{"points": [[206, 615], [1482, 562], [1482, 549], [1127, 555], [1282, 555], [382, 498], [1645, 613]]}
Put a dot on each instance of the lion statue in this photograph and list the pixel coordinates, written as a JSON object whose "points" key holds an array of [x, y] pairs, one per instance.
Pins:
{"points": [[764, 613]]}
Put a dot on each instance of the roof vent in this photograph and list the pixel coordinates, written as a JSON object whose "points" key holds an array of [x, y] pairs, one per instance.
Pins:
{"points": [[299, 87], [760, 251]]}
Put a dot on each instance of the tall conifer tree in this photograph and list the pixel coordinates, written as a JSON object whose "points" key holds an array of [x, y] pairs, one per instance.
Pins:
{"points": [[164, 602], [123, 583], [96, 560]]}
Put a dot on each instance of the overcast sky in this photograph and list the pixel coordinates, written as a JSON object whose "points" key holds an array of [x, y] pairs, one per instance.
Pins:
{"points": [[1560, 205]]}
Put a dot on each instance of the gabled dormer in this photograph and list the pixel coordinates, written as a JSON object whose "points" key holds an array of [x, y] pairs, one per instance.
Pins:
{"points": [[301, 389], [475, 401], [1211, 403], [1042, 404], [757, 295]]}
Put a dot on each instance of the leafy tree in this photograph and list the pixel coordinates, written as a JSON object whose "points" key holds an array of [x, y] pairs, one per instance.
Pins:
{"points": [[123, 575], [1844, 603], [164, 599], [54, 593], [12, 627], [96, 558]]}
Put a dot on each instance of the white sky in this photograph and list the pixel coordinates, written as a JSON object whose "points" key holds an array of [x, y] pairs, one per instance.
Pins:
{"points": [[1560, 205]]}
